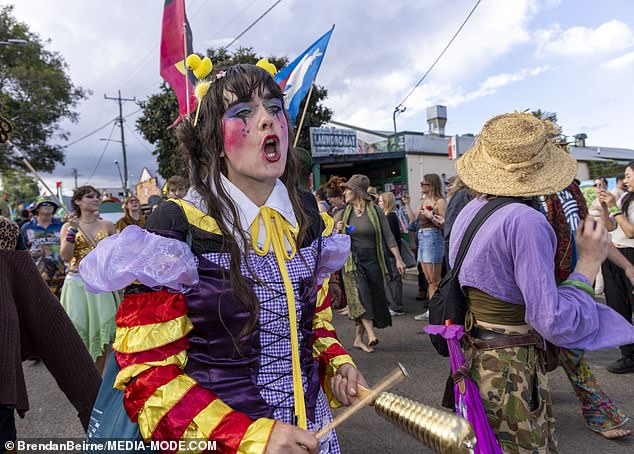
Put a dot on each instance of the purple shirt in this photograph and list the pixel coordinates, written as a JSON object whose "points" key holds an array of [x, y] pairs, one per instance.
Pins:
{"points": [[512, 258]]}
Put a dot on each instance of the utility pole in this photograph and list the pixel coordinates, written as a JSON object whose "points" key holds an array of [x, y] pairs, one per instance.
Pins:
{"points": [[75, 175], [120, 100]]}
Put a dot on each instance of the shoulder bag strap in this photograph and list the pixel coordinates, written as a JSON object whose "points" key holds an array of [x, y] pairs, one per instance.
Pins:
{"points": [[479, 219]]}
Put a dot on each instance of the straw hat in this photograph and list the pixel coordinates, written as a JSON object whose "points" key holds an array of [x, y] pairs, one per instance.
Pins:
{"points": [[516, 155], [372, 192], [359, 184]]}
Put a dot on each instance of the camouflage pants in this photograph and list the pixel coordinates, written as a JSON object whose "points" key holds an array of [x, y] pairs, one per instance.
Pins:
{"points": [[514, 389]]}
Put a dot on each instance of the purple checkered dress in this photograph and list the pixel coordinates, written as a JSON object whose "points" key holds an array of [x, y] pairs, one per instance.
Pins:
{"points": [[275, 376]]}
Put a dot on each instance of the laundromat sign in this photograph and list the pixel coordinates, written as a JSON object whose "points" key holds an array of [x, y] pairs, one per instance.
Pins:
{"points": [[329, 141]]}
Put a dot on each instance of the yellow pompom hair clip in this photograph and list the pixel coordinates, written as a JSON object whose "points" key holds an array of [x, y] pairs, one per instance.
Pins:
{"points": [[269, 67], [201, 69]]}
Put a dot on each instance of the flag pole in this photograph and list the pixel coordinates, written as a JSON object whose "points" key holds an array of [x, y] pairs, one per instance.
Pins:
{"points": [[53, 195], [301, 122], [185, 63]]}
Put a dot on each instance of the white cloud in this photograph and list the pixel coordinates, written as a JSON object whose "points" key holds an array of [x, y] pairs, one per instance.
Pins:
{"points": [[456, 97], [582, 41], [375, 57], [620, 63], [430, 94], [378, 78]]}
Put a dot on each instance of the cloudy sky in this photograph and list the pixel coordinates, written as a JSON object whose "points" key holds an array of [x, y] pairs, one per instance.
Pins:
{"points": [[573, 57]]}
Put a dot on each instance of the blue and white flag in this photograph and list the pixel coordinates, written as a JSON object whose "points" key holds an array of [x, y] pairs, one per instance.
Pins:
{"points": [[297, 77]]}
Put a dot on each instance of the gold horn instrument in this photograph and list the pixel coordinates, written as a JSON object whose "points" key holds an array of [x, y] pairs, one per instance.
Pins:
{"points": [[443, 432]]}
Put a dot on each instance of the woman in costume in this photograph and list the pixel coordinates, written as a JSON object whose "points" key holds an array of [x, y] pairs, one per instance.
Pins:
{"points": [[92, 314], [228, 337], [366, 271], [508, 276]]}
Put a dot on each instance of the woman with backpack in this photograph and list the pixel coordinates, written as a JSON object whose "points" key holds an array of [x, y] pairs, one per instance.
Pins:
{"points": [[508, 276]]}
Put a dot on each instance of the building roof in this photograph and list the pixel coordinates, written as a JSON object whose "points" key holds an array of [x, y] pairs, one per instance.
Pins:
{"points": [[423, 143], [622, 155]]}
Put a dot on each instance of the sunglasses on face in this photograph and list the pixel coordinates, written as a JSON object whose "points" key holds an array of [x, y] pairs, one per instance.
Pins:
{"points": [[46, 204], [424, 184]]}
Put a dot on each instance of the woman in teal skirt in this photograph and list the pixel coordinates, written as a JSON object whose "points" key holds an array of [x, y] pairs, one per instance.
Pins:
{"points": [[92, 314]]}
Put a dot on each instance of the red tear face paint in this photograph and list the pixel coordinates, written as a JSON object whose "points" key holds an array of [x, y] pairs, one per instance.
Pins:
{"points": [[255, 139]]}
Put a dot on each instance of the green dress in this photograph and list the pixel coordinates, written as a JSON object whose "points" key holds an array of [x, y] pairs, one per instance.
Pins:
{"points": [[93, 315]]}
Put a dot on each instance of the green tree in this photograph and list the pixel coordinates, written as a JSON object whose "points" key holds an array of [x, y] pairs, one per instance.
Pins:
{"points": [[36, 94], [160, 110], [596, 169], [545, 115], [19, 186]]}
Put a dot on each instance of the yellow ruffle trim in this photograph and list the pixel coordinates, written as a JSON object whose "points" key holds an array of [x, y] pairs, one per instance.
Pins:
{"points": [[161, 402], [128, 373], [142, 338]]}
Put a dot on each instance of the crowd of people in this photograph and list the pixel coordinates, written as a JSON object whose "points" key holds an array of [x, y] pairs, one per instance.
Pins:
{"points": [[217, 306]]}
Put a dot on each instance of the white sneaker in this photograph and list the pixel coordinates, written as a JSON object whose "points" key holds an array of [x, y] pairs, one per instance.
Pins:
{"points": [[422, 317], [394, 313]]}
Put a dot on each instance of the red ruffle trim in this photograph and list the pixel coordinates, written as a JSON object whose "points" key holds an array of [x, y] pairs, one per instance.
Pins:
{"points": [[150, 307], [156, 354], [140, 390]]}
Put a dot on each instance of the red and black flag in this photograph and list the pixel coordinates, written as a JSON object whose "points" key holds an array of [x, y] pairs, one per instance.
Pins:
{"points": [[175, 33]]}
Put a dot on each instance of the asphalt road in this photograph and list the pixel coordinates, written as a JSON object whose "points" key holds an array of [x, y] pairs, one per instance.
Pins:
{"points": [[52, 416]]}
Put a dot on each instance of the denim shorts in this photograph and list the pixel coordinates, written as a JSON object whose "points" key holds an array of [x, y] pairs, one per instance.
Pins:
{"points": [[431, 245]]}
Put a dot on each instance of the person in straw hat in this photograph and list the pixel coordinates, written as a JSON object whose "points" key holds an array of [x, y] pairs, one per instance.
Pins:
{"points": [[366, 272], [508, 277]]}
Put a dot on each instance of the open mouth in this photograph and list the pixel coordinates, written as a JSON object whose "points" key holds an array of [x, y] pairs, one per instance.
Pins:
{"points": [[271, 148]]}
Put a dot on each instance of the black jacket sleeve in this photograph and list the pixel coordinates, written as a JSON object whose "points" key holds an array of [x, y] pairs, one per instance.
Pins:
{"points": [[395, 227]]}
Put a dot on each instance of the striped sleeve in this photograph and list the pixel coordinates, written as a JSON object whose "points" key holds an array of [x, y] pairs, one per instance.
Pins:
{"points": [[327, 350], [151, 349]]}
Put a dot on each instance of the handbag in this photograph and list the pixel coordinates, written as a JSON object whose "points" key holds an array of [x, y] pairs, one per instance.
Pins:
{"points": [[109, 420], [449, 302], [407, 255]]}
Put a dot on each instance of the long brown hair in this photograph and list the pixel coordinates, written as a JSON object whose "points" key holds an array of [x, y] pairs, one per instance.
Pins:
{"points": [[79, 194], [202, 147], [435, 184]]}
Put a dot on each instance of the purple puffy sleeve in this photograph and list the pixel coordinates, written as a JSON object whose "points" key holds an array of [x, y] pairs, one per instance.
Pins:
{"points": [[566, 316], [138, 255], [334, 253]]}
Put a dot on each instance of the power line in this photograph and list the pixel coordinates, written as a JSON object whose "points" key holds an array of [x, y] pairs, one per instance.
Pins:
{"points": [[105, 147], [130, 114], [89, 134], [233, 20], [120, 101], [140, 66], [255, 22], [136, 136], [439, 57]]}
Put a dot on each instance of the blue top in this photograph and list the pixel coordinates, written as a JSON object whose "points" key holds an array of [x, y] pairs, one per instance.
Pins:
{"points": [[44, 245], [34, 232]]}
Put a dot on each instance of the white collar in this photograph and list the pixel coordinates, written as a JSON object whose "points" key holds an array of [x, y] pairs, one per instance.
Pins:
{"points": [[247, 210]]}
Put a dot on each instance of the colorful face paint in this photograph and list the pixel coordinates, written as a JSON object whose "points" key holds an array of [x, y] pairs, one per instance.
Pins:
{"points": [[255, 140]]}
